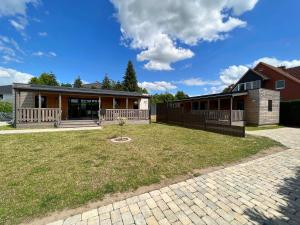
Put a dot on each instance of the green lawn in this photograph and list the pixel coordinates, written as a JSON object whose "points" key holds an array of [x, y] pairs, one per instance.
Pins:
{"points": [[268, 127], [40, 173], [7, 127]]}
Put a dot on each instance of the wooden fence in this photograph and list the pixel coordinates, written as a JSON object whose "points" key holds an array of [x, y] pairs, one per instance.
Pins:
{"points": [[36, 115], [129, 114], [214, 121]]}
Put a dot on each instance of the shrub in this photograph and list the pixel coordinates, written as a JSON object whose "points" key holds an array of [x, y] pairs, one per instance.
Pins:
{"points": [[6, 107]]}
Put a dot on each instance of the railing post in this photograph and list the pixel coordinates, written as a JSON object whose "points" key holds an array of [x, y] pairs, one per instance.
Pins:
{"points": [[230, 121], [39, 110]]}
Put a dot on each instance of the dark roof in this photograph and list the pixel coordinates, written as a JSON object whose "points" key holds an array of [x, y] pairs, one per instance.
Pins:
{"points": [[294, 71], [219, 95], [59, 89], [6, 89]]}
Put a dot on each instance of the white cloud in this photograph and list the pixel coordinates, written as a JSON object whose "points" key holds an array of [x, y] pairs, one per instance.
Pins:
{"points": [[10, 51], [232, 74], [19, 24], [9, 76], [157, 86], [277, 62], [46, 54], [159, 28], [15, 7], [198, 82], [43, 34]]}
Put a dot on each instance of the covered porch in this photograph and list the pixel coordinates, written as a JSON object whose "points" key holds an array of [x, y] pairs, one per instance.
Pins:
{"points": [[48, 108], [221, 108]]}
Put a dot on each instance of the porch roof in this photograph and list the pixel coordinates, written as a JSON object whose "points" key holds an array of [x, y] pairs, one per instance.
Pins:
{"points": [[214, 96], [70, 90]]}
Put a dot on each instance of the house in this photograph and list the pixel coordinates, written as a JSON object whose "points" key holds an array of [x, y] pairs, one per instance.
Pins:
{"points": [[254, 99], [94, 85], [6, 93], [282, 79], [46, 106]]}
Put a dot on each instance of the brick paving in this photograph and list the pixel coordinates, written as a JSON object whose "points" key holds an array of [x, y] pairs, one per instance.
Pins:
{"points": [[262, 191]]}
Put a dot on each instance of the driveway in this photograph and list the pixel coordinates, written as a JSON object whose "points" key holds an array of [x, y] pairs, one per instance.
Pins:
{"points": [[289, 137], [262, 191]]}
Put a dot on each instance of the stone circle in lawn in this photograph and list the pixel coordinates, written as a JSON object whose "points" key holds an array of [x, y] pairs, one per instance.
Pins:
{"points": [[120, 139]]}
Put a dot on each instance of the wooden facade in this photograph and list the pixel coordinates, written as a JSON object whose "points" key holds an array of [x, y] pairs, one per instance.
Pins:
{"points": [[54, 106]]}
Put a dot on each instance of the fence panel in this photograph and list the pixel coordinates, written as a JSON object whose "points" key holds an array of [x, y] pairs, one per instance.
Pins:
{"points": [[214, 121]]}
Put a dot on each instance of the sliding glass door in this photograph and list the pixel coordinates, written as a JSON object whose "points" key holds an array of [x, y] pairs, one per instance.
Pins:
{"points": [[80, 108]]}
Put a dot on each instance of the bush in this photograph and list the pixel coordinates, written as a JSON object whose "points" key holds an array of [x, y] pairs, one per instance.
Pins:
{"points": [[6, 107], [289, 113]]}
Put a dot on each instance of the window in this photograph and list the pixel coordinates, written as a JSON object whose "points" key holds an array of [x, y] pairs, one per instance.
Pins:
{"points": [[280, 84], [195, 105], [1, 97], [44, 101], [270, 103], [242, 87]]}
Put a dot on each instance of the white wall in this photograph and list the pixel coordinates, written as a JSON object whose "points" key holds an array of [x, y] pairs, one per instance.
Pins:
{"points": [[144, 103]]}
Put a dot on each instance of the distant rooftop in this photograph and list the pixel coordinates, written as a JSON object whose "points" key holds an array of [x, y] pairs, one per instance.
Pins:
{"points": [[6, 89]]}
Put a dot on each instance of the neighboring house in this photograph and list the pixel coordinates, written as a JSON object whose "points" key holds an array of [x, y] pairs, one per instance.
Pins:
{"points": [[285, 80], [95, 85], [40, 105], [6, 93]]}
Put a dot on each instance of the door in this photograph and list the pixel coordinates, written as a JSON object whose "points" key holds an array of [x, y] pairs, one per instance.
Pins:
{"points": [[83, 108]]}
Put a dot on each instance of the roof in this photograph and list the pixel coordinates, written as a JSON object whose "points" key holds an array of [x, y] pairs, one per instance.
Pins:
{"points": [[6, 89], [294, 71], [281, 71], [219, 95], [71, 90]]}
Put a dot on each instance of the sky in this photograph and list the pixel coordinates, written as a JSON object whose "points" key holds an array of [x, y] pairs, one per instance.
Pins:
{"points": [[198, 46]]}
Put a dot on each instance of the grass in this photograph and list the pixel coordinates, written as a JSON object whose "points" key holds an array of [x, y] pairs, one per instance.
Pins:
{"points": [[41, 173], [7, 127], [267, 127]]}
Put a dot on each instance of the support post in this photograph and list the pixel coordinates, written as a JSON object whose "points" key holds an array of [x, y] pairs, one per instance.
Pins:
{"points": [[114, 103], [17, 107], [208, 106], [231, 98], [59, 106], [99, 112], [39, 110], [219, 104], [126, 103]]}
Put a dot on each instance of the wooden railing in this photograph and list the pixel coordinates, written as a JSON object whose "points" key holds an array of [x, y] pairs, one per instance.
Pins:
{"points": [[237, 115], [130, 114], [36, 115]]}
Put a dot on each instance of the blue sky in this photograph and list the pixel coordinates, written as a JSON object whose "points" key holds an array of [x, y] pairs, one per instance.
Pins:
{"points": [[173, 45]]}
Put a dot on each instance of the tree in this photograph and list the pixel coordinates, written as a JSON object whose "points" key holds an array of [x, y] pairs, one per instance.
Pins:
{"points": [[130, 81], [117, 86], [78, 83], [228, 89], [180, 95], [66, 85], [161, 98], [143, 90], [45, 79], [106, 83]]}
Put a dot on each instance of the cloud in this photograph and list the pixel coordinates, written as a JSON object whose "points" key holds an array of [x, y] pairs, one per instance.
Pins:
{"points": [[9, 76], [164, 30], [19, 24], [198, 82], [10, 51], [43, 34], [277, 62], [157, 86], [46, 54], [15, 7]]}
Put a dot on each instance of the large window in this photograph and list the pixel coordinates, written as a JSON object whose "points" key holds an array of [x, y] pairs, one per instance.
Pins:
{"points": [[280, 84], [195, 106], [44, 101], [270, 105]]}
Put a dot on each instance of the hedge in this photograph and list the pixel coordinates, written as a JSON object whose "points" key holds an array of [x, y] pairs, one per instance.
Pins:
{"points": [[6, 107], [290, 113]]}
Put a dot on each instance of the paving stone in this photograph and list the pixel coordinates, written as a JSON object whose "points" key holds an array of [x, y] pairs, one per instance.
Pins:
{"points": [[152, 221], [89, 214], [94, 221], [151, 203], [72, 220], [127, 218], [139, 219]]}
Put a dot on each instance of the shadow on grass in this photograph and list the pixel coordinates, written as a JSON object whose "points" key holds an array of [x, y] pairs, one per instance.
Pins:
{"points": [[289, 209]]}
